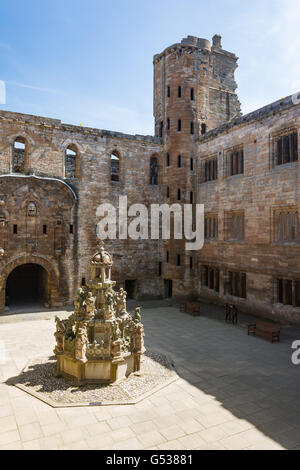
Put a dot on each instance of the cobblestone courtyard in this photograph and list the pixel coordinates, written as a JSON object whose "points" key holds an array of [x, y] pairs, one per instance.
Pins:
{"points": [[234, 391]]}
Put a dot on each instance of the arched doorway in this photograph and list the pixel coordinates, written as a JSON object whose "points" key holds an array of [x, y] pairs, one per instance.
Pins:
{"points": [[27, 286]]}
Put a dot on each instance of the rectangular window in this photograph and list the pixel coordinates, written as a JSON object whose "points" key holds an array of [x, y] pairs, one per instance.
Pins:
{"points": [[45, 229], [179, 125], [191, 164], [235, 162], [15, 229], [178, 260], [179, 92], [179, 161], [191, 197], [235, 226], [168, 192], [192, 126], [168, 124], [161, 129], [167, 256], [236, 285], [211, 227], [211, 278], [192, 94], [210, 169], [169, 92], [286, 148], [71, 229], [179, 194], [168, 159], [286, 226], [288, 292], [83, 281], [159, 269], [191, 262]]}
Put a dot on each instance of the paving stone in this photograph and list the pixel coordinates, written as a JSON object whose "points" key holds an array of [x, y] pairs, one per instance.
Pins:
{"points": [[151, 438], [31, 431]]}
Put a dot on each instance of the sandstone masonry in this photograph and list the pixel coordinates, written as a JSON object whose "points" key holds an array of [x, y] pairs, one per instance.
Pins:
{"points": [[244, 169]]}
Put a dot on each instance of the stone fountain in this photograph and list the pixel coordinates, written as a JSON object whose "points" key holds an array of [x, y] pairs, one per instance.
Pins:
{"points": [[100, 342]]}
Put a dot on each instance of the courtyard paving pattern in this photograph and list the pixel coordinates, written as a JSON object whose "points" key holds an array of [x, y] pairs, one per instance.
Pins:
{"points": [[234, 391]]}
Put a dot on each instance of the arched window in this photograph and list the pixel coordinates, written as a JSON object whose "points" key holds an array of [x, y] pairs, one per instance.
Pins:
{"points": [[153, 171], [71, 162], [19, 155], [114, 166]]}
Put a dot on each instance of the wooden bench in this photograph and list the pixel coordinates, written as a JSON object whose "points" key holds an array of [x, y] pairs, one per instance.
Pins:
{"points": [[268, 330], [191, 307]]}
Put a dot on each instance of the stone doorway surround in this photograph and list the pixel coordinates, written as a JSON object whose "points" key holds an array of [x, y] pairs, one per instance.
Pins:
{"points": [[52, 271]]}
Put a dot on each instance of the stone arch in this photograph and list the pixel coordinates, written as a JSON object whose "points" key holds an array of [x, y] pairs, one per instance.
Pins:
{"points": [[50, 268], [19, 155], [72, 161]]}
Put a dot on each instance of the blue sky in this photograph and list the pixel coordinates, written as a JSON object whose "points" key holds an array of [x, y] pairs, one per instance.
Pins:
{"points": [[90, 61]]}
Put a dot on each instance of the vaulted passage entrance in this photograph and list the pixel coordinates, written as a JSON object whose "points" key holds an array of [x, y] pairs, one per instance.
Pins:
{"points": [[27, 286]]}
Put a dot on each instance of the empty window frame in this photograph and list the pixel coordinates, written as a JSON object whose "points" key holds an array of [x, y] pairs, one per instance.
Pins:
{"points": [[192, 128], [179, 92], [235, 226], [179, 125], [211, 227], [71, 161], [168, 91], [286, 226], [179, 161], [153, 171], [286, 148], [211, 278], [192, 94], [19, 152], [114, 166], [203, 129]]}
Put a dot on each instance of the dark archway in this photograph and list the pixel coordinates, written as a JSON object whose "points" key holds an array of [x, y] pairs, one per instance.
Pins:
{"points": [[27, 285]]}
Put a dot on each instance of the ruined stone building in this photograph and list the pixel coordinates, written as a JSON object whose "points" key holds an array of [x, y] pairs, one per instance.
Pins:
{"points": [[244, 169]]}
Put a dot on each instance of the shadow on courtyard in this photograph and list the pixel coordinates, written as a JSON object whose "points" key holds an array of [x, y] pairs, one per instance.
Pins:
{"points": [[248, 376], [223, 368]]}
